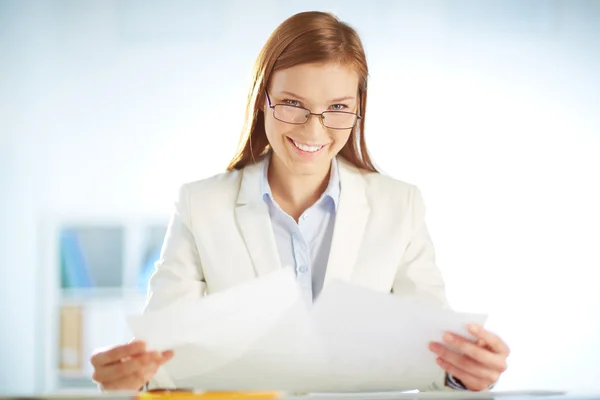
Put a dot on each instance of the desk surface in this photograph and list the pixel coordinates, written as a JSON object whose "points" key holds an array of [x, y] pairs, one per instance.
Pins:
{"points": [[526, 395]]}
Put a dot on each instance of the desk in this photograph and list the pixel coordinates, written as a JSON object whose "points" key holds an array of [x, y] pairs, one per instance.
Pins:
{"points": [[530, 395]]}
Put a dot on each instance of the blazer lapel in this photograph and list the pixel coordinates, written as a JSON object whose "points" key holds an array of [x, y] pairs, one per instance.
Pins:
{"points": [[350, 223], [254, 222]]}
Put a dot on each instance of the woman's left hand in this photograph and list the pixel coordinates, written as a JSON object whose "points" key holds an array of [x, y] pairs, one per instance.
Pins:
{"points": [[478, 365]]}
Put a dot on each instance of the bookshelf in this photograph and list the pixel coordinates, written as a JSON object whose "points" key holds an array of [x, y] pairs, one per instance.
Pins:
{"points": [[93, 273]]}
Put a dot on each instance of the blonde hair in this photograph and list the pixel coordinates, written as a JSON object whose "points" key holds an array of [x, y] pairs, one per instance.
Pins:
{"points": [[307, 37]]}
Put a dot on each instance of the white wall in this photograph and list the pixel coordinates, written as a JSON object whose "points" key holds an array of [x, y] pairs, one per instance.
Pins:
{"points": [[490, 107]]}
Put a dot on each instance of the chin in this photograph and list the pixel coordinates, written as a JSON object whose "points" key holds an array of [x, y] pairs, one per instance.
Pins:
{"points": [[310, 167]]}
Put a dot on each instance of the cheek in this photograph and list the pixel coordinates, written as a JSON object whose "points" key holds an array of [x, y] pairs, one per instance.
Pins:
{"points": [[276, 131], [272, 130], [339, 140]]}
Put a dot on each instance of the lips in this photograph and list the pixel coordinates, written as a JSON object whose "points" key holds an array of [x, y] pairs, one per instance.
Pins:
{"points": [[309, 148]]}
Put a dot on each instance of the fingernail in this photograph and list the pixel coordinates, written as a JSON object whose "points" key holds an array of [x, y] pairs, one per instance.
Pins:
{"points": [[474, 329], [439, 361], [448, 338]]}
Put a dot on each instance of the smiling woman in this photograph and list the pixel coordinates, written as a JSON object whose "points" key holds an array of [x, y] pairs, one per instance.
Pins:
{"points": [[317, 62], [302, 193]]}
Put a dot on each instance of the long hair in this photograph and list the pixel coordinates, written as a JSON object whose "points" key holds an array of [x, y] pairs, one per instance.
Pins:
{"points": [[307, 37]]}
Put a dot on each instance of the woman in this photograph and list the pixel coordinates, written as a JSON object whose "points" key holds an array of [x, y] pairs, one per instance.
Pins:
{"points": [[302, 191]]}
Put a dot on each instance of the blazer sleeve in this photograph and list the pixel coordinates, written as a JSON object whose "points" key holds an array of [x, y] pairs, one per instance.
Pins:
{"points": [[418, 275], [178, 275]]}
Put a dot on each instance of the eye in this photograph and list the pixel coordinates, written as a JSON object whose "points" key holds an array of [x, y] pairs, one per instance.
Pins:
{"points": [[339, 107], [294, 103]]}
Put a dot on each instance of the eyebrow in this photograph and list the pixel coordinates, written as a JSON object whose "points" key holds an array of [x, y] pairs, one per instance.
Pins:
{"points": [[336, 100]]}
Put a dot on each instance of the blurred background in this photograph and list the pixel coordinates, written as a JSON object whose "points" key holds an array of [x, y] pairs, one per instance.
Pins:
{"points": [[491, 107]]}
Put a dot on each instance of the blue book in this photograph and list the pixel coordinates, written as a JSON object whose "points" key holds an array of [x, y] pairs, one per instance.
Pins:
{"points": [[74, 267]]}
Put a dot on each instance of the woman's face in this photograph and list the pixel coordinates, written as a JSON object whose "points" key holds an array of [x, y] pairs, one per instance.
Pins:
{"points": [[308, 148]]}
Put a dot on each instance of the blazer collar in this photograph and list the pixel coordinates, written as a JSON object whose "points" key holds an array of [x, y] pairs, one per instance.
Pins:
{"points": [[250, 187], [350, 223]]}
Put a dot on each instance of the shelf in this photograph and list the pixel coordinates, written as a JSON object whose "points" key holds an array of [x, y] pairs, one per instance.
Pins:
{"points": [[83, 296], [75, 381], [91, 255], [73, 375], [97, 269]]}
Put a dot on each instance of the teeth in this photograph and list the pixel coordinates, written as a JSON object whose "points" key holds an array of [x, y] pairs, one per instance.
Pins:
{"points": [[304, 147]]}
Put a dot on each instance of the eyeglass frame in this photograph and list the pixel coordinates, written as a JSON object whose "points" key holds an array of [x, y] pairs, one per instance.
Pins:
{"points": [[321, 115]]}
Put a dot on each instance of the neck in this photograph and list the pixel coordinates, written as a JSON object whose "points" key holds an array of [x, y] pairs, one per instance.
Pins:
{"points": [[295, 193]]}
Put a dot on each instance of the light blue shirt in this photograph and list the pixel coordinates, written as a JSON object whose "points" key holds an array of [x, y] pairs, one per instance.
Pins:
{"points": [[305, 245]]}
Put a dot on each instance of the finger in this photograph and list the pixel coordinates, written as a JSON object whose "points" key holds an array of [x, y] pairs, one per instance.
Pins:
{"points": [[491, 339], [161, 358], [471, 382], [120, 370], [131, 382], [150, 371], [166, 356], [117, 353], [481, 343], [491, 360], [142, 376], [464, 363]]}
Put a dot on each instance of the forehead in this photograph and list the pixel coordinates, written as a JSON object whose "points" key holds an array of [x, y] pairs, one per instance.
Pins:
{"points": [[316, 82]]}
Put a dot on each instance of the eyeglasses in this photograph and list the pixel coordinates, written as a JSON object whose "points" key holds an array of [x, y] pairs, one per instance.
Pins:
{"points": [[299, 115]]}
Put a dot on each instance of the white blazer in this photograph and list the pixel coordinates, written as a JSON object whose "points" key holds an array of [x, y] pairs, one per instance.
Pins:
{"points": [[220, 235]]}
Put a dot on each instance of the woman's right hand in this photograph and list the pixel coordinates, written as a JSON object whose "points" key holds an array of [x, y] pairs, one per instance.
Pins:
{"points": [[127, 367]]}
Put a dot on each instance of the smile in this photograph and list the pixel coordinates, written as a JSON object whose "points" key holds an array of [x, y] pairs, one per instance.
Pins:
{"points": [[307, 147]]}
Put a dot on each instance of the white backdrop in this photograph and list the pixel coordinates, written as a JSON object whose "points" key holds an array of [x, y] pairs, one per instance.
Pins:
{"points": [[491, 108]]}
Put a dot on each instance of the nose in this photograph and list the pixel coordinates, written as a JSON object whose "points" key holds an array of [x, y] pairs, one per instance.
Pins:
{"points": [[314, 128]]}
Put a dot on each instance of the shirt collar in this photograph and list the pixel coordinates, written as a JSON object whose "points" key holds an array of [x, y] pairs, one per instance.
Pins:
{"points": [[333, 187]]}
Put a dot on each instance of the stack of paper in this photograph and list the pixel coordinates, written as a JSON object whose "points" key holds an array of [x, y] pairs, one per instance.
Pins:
{"points": [[261, 335]]}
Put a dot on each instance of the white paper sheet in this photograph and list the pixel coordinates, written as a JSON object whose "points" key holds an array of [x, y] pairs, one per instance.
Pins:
{"points": [[378, 341], [211, 333], [261, 336]]}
